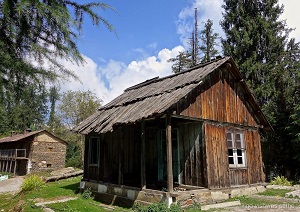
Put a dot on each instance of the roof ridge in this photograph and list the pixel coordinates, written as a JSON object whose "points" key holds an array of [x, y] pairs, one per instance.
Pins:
{"points": [[156, 79]]}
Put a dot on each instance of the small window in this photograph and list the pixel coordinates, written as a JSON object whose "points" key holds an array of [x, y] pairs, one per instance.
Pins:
{"points": [[49, 165], [236, 148], [94, 151], [50, 149]]}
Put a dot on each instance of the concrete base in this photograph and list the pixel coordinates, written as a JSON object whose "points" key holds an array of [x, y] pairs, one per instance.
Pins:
{"points": [[128, 196]]}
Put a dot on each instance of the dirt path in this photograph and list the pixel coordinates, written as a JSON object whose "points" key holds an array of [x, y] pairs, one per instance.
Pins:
{"points": [[11, 185]]}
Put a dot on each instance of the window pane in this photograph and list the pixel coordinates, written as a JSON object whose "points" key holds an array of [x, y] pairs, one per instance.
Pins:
{"points": [[229, 140], [240, 160], [229, 136], [230, 152], [238, 145], [230, 160], [239, 152], [238, 137]]}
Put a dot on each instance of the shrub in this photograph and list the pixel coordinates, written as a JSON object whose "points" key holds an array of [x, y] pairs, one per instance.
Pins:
{"points": [[282, 181], [87, 193], [32, 183]]}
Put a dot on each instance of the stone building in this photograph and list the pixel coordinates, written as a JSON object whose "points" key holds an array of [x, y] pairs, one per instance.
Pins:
{"points": [[30, 152]]}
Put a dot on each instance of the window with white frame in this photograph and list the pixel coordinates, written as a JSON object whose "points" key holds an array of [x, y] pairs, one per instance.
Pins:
{"points": [[236, 148]]}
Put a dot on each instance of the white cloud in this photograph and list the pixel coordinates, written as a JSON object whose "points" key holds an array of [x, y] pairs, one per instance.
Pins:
{"points": [[110, 81], [207, 9], [87, 74], [137, 71], [291, 15]]}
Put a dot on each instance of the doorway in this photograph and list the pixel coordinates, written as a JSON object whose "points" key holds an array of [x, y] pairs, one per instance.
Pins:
{"points": [[162, 156]]}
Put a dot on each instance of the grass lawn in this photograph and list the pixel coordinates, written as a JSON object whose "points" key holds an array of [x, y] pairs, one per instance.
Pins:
{"points": [[275, 192], [53, 191]]}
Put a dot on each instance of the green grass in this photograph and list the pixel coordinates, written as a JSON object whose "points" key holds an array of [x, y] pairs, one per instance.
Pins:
{"points": [[52, 191], [275, 192]]}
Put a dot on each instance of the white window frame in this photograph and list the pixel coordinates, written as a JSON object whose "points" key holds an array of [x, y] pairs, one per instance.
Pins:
{"points": [[233, 146]]}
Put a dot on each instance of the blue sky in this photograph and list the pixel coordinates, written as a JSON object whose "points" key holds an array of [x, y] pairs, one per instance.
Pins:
{"points": [[149, 33]]}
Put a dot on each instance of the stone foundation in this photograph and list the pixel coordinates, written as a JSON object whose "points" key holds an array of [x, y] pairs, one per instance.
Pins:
{"points": [[128, 196]]}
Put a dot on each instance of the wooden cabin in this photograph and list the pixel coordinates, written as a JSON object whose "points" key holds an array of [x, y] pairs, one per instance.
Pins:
{"points": [[29, 152], [196, 129]]}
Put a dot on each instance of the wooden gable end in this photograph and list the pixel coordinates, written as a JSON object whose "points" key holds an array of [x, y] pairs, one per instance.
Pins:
{"points": [[219, 98]]}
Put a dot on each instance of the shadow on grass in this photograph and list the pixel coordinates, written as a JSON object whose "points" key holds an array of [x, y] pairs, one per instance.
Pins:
{"points": [[74, 187]]}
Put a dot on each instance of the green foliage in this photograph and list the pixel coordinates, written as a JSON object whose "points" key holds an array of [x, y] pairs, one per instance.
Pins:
{"points": [[181, 62], [35, 37], [280, 180], [6, 173], [74, 107], [258, 40], [209, 41], [87, 193], [158, 207], [32, 183]]}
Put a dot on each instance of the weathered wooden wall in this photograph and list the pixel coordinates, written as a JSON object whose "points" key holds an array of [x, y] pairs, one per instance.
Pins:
{"points": [[216, 156], [192, 157], [120, 148], [219, 174], [218, 98]]}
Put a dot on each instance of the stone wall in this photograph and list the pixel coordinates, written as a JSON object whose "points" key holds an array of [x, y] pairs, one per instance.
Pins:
{"points": [[48, 153]]}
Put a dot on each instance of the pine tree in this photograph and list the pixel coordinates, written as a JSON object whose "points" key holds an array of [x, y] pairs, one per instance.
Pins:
{"points": [[189, 59], [258, 41], [254, 38], [209, 41], [32, 34], [181, 62], [53, 98]]}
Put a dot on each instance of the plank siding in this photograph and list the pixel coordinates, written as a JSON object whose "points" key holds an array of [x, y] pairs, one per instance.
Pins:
{"points": [[220, 98], [216, 155], [218, 172], [191, 154]]}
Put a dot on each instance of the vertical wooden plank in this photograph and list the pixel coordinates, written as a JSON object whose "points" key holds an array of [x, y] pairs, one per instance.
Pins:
{"points": [[120, 175], [197, 153], [191, 154], [169, 153], [143, 167]]}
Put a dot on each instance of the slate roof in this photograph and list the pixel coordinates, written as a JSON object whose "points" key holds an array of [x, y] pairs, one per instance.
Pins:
{"points": [[148, 99]]}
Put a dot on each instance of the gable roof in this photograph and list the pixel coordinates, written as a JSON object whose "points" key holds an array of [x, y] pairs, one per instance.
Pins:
{"points": [[19, 137], [154, 97]]}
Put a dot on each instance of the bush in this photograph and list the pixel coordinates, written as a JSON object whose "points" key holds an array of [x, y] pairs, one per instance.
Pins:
{"points": [[158, 207], [282, 181], [32, 183], [87, 193]]}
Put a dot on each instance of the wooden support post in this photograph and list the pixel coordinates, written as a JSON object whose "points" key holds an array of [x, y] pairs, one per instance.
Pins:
{"points": [[169, 153], [6, 165], [143, 165], [15, 168], [10, 167], [121, 141]]}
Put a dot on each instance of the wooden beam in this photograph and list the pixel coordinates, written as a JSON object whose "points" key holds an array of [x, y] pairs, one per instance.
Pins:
{"points": [[169, 153], [143, 165]]}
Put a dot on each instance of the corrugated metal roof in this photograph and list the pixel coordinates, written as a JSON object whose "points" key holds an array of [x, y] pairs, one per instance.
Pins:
{"points": [[147, 99]]}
